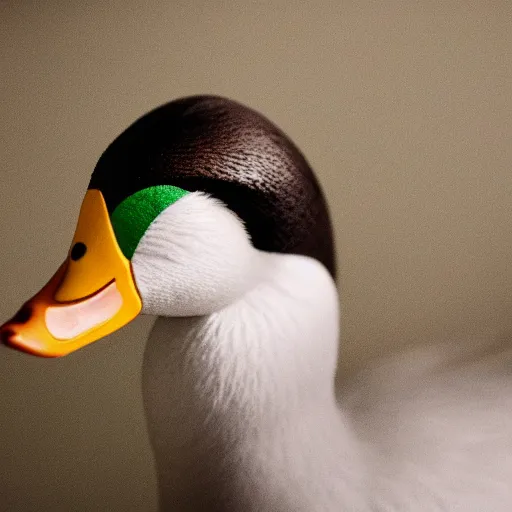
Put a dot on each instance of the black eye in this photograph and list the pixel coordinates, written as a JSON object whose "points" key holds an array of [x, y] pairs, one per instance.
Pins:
{"points": [[78, 250]]}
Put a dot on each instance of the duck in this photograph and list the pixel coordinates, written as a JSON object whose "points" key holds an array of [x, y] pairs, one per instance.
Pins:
{"points": [[205, 215]]}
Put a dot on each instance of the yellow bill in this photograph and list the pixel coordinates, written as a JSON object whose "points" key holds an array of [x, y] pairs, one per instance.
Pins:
{"points": [[91, 295]]}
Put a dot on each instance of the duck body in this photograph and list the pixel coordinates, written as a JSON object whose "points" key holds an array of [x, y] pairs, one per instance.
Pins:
{"points": [[250, 420], [205, 215], [425, 430]]}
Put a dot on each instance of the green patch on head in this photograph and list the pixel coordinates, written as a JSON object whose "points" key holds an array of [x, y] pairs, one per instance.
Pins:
{"points": [[131, 218]]}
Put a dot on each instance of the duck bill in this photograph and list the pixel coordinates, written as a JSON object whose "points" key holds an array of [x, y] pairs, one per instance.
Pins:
{"points": [[91, 295]]}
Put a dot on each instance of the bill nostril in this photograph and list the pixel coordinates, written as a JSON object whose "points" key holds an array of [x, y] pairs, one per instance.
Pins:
{"points": [[78, 251], [6, 335], [23, 315]]}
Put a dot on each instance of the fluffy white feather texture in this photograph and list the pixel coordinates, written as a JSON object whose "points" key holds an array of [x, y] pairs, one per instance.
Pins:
{"points": [[240, 396], [194, 259]]}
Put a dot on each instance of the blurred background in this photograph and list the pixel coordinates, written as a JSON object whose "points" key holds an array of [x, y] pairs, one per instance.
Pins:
{"points": [[404, 109]]}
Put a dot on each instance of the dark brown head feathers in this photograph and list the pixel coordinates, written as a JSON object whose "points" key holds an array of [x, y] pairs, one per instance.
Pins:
{"points": [[215, 145]]}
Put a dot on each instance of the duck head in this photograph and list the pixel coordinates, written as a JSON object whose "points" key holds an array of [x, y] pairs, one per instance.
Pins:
{"points": [[176, 211]]}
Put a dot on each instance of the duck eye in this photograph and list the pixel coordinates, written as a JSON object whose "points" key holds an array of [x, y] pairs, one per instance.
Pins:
{"points": [[78, 250]]}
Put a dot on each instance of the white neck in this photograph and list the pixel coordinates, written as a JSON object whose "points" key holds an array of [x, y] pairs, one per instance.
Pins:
{"points": [[241, 405]]}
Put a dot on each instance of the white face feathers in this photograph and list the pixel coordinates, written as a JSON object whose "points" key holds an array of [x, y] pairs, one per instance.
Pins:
{"points": [[195, 258]]}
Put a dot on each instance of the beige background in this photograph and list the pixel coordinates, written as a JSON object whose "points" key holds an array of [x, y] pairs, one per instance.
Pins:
{"points": [[404, 110]]}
